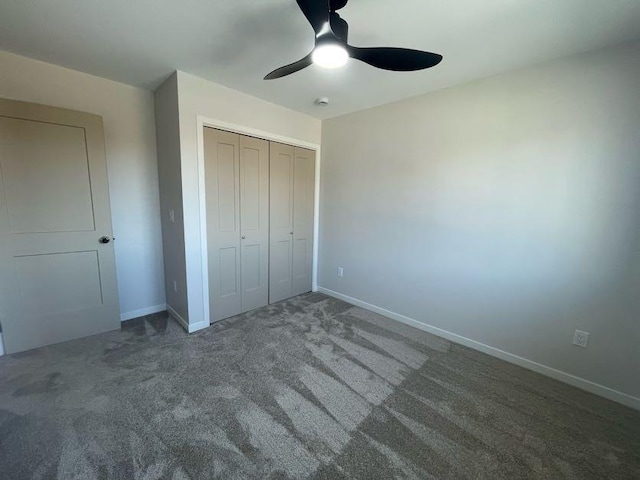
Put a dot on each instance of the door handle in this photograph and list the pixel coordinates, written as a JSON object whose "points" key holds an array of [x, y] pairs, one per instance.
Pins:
{"points": [[243, 237], [290, 233], [104, 240]]}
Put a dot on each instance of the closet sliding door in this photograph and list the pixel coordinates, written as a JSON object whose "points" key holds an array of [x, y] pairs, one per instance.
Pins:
{"points": [[304, 169], [254, 222], [281, 222], [222, 174], [260, 204], [291, 204], [237, 197]]}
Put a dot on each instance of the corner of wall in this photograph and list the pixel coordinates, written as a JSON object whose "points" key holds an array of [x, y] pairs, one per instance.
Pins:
{"points": [[171, 204]]}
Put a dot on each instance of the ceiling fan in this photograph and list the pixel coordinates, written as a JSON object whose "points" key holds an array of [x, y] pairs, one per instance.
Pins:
{"points": [[333, 51]]}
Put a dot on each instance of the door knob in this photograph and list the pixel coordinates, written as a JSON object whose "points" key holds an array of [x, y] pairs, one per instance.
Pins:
{"points": [[290, 233], [243, 237], [104, 240]]}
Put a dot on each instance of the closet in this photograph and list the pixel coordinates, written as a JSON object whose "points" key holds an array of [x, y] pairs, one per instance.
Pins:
{"points": [[260, 205]]}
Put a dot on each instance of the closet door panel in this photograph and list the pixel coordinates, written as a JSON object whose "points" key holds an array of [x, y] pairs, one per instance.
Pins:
{"points": [[303, 201], [281, 222], [254, 222], [227, 263], [222, 180], [301, 272]]}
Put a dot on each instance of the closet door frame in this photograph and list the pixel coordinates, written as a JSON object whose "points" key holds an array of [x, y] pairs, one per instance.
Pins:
{"points": [[202, 122]]}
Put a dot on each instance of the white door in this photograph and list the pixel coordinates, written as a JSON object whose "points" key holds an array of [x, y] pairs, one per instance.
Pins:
{"points": [[57, 280], [254, 222], [222, 178], [281, 222], [303, 199]]}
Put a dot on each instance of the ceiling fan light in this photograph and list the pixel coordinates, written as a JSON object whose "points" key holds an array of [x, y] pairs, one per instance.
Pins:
{"points": [[330, 55]]}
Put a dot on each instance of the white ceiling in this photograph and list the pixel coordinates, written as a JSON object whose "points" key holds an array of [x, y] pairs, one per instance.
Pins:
{"points": [[235, 43]]}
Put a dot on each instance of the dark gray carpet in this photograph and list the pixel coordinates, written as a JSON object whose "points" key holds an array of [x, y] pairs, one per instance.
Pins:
{"points": [[308, 388]]}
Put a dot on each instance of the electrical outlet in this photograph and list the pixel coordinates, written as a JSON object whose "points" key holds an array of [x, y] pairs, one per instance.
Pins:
{"points": [[581, 339], [175, 286], [340, 272], [172, 215]]}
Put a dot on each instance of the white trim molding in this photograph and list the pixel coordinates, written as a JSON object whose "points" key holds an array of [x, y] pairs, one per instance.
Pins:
{"points": [[190, 328], [564, 377], [142, 312], [203, 122]]}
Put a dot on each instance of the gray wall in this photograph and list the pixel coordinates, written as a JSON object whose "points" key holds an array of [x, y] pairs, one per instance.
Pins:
{"points": [[169, 173], [506, 211]]}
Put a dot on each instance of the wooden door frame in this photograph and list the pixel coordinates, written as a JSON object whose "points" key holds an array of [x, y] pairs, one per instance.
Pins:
{"points": [[202, 123]]}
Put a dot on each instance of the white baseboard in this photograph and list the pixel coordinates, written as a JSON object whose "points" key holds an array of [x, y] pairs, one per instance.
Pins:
{"points": [[194, 327], [177, 316], [190, 328], [578, 382], [142, 312]]}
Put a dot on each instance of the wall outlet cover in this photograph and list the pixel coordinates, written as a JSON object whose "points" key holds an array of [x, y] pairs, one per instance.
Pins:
{"points": [[581, 339], [340, 272]]}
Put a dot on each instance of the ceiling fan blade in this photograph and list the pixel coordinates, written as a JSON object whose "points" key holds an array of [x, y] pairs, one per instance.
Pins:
{"points": [[316, 11], [396, 59], [289, 69], [336, 5]]}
